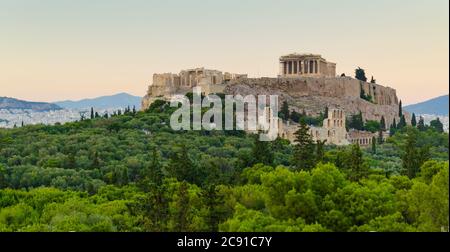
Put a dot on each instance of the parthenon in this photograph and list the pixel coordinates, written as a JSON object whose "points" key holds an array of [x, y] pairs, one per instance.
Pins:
{"points": [[306, 65]]}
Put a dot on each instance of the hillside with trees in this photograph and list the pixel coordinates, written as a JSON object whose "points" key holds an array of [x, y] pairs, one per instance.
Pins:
{"points": [[131, 172]]}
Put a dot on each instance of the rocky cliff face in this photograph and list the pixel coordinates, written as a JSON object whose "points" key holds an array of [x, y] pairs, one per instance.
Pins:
{"points": [[311, 94], [314, 94]]}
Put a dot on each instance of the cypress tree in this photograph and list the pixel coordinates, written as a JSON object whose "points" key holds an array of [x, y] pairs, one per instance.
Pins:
{"points": [[413, 157], [413, 120], [380, 137], [182, 208], [92, 113], [155, 170], [181, 165], [402, 122], [374, 145], [421, 124], [284, 112], [304, 148], [262, 152], [213, 202], [358, 169], [383, 123], [320, 152], [400, 109], [437, 125]]}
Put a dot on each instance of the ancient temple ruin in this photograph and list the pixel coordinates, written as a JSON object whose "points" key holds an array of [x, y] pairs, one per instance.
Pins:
{"points": [[306, 65]]}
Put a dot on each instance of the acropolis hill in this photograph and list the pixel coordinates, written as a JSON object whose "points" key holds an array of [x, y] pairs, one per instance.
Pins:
{"points": [[307, 82]]}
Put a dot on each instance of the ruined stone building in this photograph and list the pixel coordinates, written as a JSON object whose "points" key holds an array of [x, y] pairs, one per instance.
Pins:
{"points": [[306, 65], [333, 130], [167, 84], [307, 82]]}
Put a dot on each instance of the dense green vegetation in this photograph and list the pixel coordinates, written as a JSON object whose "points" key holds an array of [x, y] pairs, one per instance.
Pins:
{"points": [[131, 172]]}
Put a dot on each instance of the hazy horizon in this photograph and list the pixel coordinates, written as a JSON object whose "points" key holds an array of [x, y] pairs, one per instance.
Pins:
{"points": [[65, 50]]}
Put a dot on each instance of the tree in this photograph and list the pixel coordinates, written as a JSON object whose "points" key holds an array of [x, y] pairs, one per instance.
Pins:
{"points": [[304, 149], [295, 116], [152, 174], [374, 145], [92, 113], [437, 125], [356, 122], [181, 166], [382, 123], [325, 114], [402, 122], [372, 126], [284, 112], [213, 202], [320, 152], [3, 182], [155, 208], [182, 208], [400, 109], [380, 136], [372, 80], [392, 130], [413, 157], [360, 74], [358, 169], [421, 124], [262, 152], [413, 120]]}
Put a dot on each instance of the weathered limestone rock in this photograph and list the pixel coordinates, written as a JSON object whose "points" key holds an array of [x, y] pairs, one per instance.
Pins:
{"points": [[314, 94]]}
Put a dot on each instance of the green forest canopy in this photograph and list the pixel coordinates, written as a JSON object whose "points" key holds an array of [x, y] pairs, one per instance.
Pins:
{"points": [[133, 173]]}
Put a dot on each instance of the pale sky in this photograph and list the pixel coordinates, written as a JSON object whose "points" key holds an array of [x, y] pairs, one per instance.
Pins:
{"points": [[62, 49]]}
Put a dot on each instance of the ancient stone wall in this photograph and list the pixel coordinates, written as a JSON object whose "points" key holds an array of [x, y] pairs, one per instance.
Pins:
{"points": [[314, 94]]}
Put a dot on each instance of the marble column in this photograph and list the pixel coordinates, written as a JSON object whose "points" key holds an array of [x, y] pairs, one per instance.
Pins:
{"points": [[318, 66]]}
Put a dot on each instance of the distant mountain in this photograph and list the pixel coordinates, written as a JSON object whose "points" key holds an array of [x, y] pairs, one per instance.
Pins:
{"points": [[436, 106], [11, 103], [121, 100]]}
